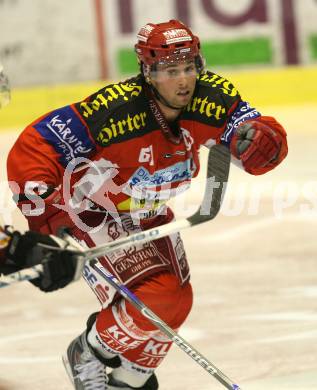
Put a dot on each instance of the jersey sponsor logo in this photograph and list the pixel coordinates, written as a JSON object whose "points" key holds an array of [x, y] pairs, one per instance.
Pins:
{"points": [[133, 204], [220, 82], [116, 230], [242, 113], [122, 316], [153, 353], [206, 107], [157, 349], [174, 173], [116, 130], [118, 340], [66, 133], [104, 99], [133, 260], [146, 155], [102, 291], [181, 255], [176, 35], [145, 32]]}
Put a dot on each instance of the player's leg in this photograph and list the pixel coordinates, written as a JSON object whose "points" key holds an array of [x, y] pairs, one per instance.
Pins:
{"points": [[121, 332], [140, 363]]}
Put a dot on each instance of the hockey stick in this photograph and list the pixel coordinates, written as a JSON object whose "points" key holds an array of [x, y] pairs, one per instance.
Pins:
{"points": [[20, 276], [217, 176]]}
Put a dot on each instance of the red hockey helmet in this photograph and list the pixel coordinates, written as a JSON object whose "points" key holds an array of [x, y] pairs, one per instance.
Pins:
{"points": [[166, 42]]}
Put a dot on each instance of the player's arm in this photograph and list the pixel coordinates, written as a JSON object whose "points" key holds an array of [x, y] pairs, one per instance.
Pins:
{"points": [[37, 162], [258, 142], [19, 251]]}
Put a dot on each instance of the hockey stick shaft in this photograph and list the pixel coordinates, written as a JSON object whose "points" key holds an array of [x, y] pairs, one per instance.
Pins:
{"points": [[20, 276], [163, 327]]}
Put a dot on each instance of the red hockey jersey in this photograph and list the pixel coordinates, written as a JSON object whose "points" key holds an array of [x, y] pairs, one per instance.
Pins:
{"points": [[109, 153]]}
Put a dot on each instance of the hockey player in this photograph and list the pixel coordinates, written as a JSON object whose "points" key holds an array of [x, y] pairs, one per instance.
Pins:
{"points": [[19, 251], [106, 166]]}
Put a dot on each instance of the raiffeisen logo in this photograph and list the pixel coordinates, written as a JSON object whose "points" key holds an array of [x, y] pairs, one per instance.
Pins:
{"points": [[177, 35]]}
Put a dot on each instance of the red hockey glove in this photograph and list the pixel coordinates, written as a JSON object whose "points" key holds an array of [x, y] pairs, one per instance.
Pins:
{"points": [[256, 145]]}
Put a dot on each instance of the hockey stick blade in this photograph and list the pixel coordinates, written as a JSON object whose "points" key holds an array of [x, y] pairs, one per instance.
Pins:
{"points": [[218, 167], [163, 327]]}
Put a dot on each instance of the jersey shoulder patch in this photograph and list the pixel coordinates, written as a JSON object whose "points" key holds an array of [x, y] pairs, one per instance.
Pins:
{"points": [[116, 112], [213, 99], [109, 99], [68, 135]]}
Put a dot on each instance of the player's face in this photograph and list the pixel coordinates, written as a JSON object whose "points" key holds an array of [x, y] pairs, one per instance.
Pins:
{"points": [[176, 82]]}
